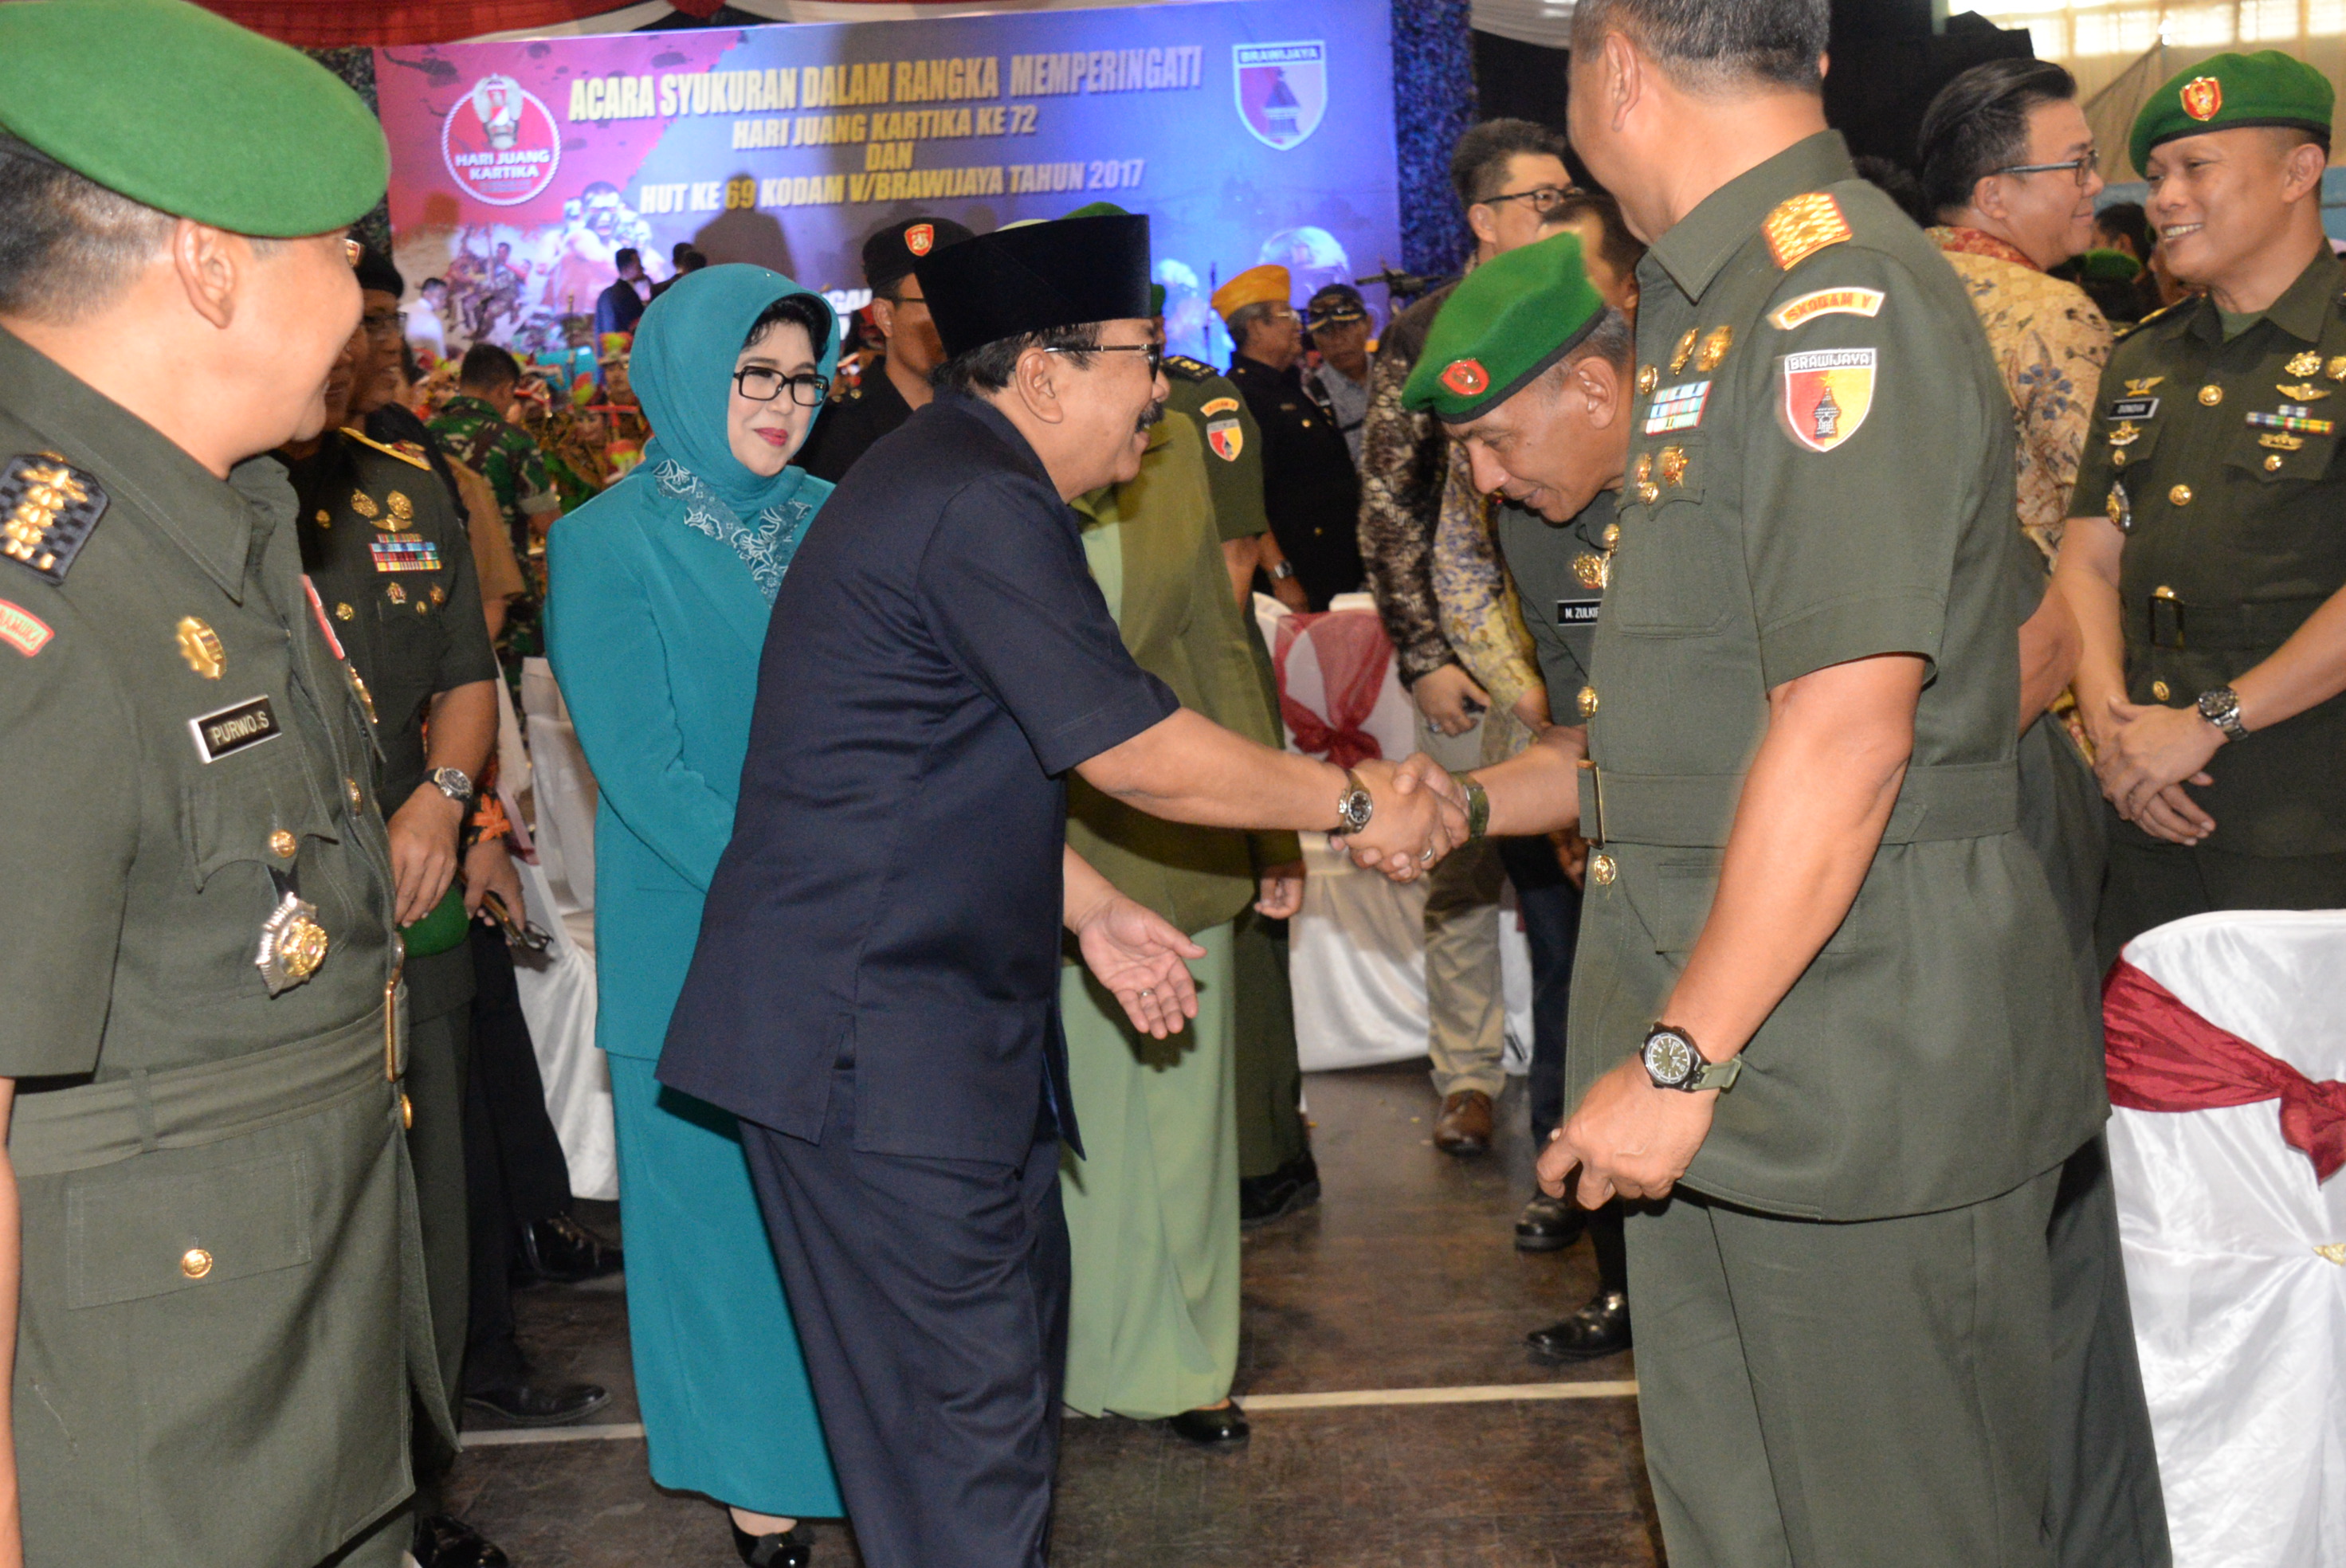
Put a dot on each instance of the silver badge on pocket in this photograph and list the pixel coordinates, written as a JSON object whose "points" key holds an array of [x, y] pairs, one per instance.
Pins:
{"points": [[292, 943]]}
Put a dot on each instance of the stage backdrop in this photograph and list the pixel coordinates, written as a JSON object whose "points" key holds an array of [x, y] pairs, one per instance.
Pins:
{"points": [[1249, 131]]}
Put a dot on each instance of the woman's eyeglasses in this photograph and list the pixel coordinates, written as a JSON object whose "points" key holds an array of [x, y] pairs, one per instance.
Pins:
{"points": [[760, 384], [1156, 353]]}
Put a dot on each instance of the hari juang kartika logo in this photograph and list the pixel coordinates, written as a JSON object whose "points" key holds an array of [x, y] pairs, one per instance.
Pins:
{"points": [[1282, 89], [500, 142]]}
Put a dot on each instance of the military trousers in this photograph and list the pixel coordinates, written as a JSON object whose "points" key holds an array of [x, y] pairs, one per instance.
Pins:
{"points": [[1466, 1010], [2151, 882], [1817, 1395], [436, 1051], [1264, 1061]]}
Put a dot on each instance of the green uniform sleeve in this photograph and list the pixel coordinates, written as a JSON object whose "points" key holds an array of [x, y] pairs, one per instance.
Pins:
{"points": [[1233, 464], [466, 656], [70, 772], [1848, 554]]}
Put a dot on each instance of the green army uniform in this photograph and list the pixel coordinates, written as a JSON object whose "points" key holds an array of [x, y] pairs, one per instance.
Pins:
{"points": [[1269, 1075], [392, 566], [1560, 571], [222, 1309], [1152, 1207], [2216, 450], [509, 459], [1803, 352]]}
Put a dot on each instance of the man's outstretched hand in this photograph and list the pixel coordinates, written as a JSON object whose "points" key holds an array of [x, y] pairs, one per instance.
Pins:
{"points": [[1138, 954]]}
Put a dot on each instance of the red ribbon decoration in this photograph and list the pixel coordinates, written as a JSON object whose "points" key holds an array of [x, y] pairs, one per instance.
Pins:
{"points": [[2162, 1056], [1353, 657]]}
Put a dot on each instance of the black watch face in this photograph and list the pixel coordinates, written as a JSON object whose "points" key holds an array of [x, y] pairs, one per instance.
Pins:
{"points": [[1668, 1059]]}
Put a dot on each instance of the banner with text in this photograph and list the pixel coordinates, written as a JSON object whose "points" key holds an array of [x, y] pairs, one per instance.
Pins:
{"points": [[1249, 131]]}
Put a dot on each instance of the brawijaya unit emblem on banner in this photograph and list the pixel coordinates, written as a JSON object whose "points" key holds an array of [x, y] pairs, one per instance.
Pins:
{"points": [[1282, 89], [500, 142]]}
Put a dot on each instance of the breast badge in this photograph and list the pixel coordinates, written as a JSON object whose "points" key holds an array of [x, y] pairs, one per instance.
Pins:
{"points": [[1683, 353], [364, 504], [2303, 391], [1648, 378], [2304, 364], [47, 510], [2139, 386], [395, 593], [2119, 509], [292, 943], [1714, 348], [2336, 368], [1674, 466], [1827, 394], [1591, 570], [200, 647], [402, 510]]}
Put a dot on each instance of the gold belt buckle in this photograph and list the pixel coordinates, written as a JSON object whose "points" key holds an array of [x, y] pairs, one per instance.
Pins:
{"points": [[2168, 608], [391, 1009], [1595, 832]]}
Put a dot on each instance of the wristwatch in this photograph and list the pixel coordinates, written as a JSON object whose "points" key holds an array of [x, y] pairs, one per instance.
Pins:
{"points": [[1354, 807], [1478, 803], [1672, 1062], [451, 782], [2220, 705], [1282, 572]]}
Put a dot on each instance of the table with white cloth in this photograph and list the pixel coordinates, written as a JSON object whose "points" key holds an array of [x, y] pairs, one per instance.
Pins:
{"points": [[2227, 1048], [1357, 948]]}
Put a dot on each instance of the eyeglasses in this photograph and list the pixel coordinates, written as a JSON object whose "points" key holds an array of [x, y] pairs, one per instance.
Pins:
{"points": [[1544, 198], [381, 323], [760, 384], [1156, 351], [2081, 167]]}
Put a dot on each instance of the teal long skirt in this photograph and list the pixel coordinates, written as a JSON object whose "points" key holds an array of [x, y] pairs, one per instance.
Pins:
{"points": [[726, 1407]]}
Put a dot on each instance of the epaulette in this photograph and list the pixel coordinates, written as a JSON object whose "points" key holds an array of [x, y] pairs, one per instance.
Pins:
{"points": [[49, 509], [1803, 225], [2120, 333], [1188, 370], [405, 450]]}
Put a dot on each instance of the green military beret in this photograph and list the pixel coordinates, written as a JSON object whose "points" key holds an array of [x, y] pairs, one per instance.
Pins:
{"points": [[1513, 317], [187, 112], [2267, 88], [2099, 266]]}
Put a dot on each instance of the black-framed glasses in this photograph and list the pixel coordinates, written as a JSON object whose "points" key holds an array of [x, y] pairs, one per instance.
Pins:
{"points": [[1156, 353], [1544, 198], [381, 324], [2081, 167], [760, 384]]}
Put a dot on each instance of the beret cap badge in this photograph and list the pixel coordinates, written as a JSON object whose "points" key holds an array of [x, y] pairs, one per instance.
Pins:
{"points": [[920, 237], [2202, 96], [1466, 377]]}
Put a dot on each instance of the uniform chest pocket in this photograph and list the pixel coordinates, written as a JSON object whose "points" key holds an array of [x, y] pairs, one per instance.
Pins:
{"points": [[2273, 455], [1673, 574], [2131, 443], [258, 807], [195, 1230]]}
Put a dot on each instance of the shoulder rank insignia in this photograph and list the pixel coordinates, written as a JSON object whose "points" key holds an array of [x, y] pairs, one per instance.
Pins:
{"points": [[48, 510], [1803, 226], [1187, 369], [405, 450]]}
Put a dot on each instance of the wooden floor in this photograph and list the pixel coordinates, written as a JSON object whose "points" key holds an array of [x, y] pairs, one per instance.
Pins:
{"points": [[1403, 1277]]}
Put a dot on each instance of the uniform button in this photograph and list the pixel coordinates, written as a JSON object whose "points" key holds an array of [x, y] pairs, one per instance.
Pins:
{"points": [[2180, 495], [195, 1263], [343, 612], [2162, 592], [351, 791], [282, 844], [2159, 689], [1649, 493], [2273, 462], [2211, 394], [406, 1111], [2117, 460], [1601, 868], [1588, 702], [1612, 534]]}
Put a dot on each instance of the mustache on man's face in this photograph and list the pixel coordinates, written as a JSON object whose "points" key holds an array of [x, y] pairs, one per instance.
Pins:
{"points": [[1153, 415]]}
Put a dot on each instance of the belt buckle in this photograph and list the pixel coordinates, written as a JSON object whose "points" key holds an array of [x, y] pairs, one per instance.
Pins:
{"points": [[1594, 832], [2166, 619]]}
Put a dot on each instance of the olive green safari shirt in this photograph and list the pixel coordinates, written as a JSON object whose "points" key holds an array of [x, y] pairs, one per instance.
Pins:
{"points": [[1820, 469], [2220, 460]]}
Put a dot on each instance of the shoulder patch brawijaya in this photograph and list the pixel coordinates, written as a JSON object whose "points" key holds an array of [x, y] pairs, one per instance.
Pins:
{"points": [[49, 509], [1803, 225], [406, 451], [1181, 367]]}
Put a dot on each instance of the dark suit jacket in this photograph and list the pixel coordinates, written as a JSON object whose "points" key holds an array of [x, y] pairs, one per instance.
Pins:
{"points": [[939, 656]]}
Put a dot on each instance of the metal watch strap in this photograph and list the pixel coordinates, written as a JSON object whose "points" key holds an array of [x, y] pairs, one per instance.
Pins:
{"points": [[1478, 804], [1345, 826], [1280, 571], [2220, 705]]}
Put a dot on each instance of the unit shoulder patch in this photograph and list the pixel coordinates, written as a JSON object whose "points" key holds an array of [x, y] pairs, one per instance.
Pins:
{"points": [[1827, 395], [48, 508], [23, 630], [1181, 367], [1826, 302], [1803, 225], [405, 450]]}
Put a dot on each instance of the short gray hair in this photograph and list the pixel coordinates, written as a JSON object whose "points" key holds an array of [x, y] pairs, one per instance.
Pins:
{"points": [[1719, 42], [67, 244], [1247, 318]]}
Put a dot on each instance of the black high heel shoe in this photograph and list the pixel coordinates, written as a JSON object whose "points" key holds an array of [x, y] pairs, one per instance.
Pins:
{"points": [[786, 1549]]}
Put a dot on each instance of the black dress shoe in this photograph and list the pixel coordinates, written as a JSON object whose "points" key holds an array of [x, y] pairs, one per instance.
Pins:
{"points": [[526, 1404], [784, 1549], [1599, 1328], [562, 1251], [1223, 1428], [1293, 1186], [1549, 1223], [445, 1541]]}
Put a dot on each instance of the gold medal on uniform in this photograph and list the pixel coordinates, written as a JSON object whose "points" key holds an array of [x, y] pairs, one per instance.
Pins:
{"points": [[402, 510], [1594, 571], [2304, 364], [2336, 371], [1674, 462], [2303, 391], [395, 593], [200, 647], [2139, 386], [364, 504], [2120, 509], [1714, 348], [292, 943], [1644, 469], [1648, 380], [1684, 352], [2127, 434]]}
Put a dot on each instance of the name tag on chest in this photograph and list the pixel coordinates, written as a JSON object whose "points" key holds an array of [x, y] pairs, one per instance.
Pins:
{"points": [[404, 553], [1578, 612], [231, 729], [2133, 408]]}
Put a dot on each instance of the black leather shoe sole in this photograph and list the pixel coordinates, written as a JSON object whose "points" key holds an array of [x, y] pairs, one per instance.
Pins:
{"points": [[787, 1549], [530, 1405], [1293, 1186], [1222, 1429], [443, 1541]]}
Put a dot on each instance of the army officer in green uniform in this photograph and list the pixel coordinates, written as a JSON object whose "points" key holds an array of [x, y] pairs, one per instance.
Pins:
{"points": [[220, 1313], [392, 567], [1814, 1038], [2207, 556]]}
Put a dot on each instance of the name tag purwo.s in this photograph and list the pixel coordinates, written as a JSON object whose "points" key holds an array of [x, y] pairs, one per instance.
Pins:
{"points": [[233, 730]]}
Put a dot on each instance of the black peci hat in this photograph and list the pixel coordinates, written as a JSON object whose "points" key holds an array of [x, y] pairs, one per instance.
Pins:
{"points": [[1036, 276]]}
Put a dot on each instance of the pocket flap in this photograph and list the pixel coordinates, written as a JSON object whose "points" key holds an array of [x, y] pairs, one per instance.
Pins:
{"points": [[192, 1231], [234, 809]]}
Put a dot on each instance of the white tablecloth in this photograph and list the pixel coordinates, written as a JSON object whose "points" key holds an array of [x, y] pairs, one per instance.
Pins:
{"points": [[2236, 1256]]}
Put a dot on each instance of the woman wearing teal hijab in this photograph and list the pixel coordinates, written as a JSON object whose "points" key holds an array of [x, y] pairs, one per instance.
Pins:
{"points": [[660, 589]]}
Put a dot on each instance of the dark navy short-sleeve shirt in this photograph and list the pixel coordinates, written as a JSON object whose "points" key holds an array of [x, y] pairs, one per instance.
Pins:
{"points": [[938, 658]]}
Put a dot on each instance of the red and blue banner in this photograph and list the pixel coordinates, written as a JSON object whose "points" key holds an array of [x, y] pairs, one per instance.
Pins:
{"points": [[1249, 131]]}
